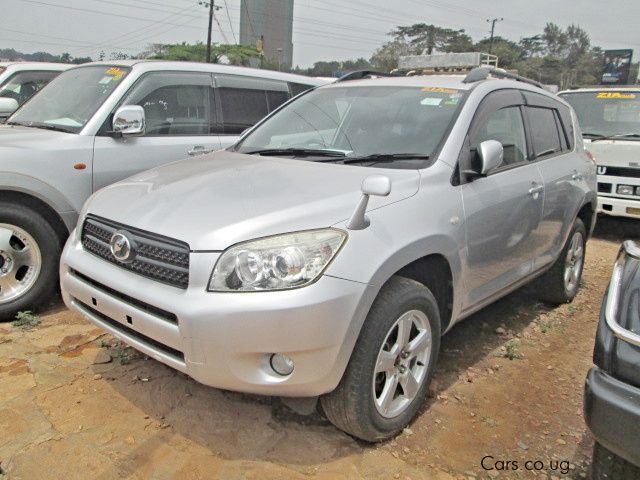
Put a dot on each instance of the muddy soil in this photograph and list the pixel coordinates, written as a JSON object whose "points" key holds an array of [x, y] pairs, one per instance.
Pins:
{"points": [[76, 404]]}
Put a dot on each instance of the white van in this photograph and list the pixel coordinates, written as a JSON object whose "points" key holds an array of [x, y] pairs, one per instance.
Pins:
{"points": [[610, 121]]}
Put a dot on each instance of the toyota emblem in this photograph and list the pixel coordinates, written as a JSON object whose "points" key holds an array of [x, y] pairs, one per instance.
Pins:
{"points": [[121, 247]]}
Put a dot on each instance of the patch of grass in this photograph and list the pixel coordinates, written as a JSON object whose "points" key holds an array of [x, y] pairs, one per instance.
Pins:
{"points": [[122, 353], [104, 344], [26, 320], [512, 350], [489, 421]]}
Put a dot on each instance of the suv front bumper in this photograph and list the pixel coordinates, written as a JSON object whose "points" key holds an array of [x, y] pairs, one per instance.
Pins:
{"points": [[612, 413], [224, 340], [618, 207]]}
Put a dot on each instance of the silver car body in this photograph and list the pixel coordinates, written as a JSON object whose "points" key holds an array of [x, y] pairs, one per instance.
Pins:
{"points": [[223, 339], [44, 164]]}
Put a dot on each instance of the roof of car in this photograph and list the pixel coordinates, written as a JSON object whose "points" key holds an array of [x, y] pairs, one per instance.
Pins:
{"points": [[621, 88], [162, 65], [36, 65]]}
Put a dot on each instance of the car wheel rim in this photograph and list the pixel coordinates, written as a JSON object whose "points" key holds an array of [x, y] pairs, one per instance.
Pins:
{"points": [[20, 262], [574, 262], [402, 363]]}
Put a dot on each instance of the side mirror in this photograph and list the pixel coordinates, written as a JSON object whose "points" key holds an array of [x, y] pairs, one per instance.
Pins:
{"points": [[8, 106], [377, 185], [129, 120], [491, 154]]}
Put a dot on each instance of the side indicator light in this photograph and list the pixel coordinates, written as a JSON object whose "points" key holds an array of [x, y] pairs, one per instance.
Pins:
{"points": [[80, 166]]}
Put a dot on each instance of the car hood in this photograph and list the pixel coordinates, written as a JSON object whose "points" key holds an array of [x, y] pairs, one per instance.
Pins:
{"points": [[18, 137], [217, 200], [619, 153]]}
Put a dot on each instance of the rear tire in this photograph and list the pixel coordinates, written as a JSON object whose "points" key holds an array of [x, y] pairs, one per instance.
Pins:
{"points": [[607, 465], [560, 284], [391, 366], [29, 257]]}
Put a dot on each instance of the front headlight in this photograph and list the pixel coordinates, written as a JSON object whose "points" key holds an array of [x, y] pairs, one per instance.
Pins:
{"points": [[276, 263]]}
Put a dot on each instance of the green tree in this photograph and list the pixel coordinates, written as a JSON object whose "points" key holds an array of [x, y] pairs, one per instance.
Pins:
{"points": [[386, 57], [220, 53], [429, 38]]}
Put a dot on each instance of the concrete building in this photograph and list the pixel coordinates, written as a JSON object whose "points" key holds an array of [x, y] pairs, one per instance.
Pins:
{"points": [[268, 23]]}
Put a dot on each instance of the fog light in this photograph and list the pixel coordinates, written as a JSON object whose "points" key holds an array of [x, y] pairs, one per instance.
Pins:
{"points": [[637, 190], [625, 189], [281, 364]]}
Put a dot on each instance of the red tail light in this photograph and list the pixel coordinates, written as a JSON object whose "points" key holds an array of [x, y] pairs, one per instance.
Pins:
{"points": [[591, 157]]}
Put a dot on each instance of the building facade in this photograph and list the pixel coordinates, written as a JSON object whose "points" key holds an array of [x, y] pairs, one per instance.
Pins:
{"points": [[268, 24]]}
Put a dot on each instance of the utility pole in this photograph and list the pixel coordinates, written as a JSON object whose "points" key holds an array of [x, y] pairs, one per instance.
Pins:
{"points": [[493, 22], [212, 7]]}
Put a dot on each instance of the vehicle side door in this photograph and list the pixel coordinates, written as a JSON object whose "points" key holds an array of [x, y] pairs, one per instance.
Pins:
{"points": [[564, 171], [243, 101], [502, 208], [179, 114]]}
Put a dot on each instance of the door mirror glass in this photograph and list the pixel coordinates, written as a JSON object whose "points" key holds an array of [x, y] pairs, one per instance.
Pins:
{"points": [[129, 120], [8, 106], [491, 155], [378, 185]]}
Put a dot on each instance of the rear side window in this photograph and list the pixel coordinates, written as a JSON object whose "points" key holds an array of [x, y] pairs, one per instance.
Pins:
{"points": [[543, 127], [298, 88], [244, 101]]}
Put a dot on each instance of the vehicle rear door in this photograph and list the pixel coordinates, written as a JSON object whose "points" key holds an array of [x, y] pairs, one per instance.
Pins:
{"points": [[564, 171], [244, 101], [180, 119], [502, 209]]}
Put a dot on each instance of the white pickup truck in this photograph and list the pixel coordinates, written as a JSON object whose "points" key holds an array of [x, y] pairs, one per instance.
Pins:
{"points": [[610, 122]]}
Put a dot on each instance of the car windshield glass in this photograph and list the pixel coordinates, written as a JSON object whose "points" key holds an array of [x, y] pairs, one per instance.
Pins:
{"points": [[359, 121], [607, 113], [71, 99]]}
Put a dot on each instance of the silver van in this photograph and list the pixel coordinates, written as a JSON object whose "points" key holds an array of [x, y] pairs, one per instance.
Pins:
{"points": [[98, 123], [326, 253]]}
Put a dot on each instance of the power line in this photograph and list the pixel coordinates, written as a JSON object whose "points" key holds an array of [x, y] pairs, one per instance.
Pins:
{"points": [[226, 7], [493, 22]]}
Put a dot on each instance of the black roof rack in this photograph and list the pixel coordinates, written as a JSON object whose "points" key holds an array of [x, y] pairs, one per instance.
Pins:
{"points": [[482, 73], [359, 74]]}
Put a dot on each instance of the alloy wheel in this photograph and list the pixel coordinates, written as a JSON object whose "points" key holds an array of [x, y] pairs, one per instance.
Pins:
{"points": [[20, 262], [573, 262]]}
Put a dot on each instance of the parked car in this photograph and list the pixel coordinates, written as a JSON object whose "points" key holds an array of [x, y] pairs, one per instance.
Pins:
{"points": [[610, 119], [19, 81], [99, 123], [612, 391], [327, 252]]}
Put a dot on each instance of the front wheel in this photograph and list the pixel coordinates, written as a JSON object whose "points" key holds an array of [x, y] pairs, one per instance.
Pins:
{"points": [[607, 465], [391, 366], [29, 256], [560, 284]]}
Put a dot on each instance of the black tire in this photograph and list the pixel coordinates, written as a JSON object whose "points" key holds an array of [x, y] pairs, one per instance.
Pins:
{"points": [[551, 286], [607, 465], [50, 246], [350, 407]]}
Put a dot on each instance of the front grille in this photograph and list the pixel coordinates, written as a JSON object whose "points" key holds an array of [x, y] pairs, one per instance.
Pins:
{"points": [[604, 187], [148, 341], [619, 171], [157, 257], [155, 311]]}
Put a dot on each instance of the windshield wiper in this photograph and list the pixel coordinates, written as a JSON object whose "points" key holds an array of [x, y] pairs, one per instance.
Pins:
{"points": [[47, 126], [298, 152], [386, 157], [597, 136]]}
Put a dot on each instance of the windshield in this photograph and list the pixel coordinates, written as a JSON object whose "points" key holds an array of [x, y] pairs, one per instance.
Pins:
{"points": [[70, 100], [360, 121], [607, 112], [23, 85]]}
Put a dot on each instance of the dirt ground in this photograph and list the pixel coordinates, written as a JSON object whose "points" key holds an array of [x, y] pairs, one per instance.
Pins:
{"points": [[508, 389]]}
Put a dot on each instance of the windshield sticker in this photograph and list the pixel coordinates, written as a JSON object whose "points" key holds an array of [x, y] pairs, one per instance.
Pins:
{"points": [[431, 101], [116, 73], [621, 95], [105, 80], [439, 90]]}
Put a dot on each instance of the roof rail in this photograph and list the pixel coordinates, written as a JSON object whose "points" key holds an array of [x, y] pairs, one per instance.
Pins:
{"points": [[482, 73], [359, 74]]}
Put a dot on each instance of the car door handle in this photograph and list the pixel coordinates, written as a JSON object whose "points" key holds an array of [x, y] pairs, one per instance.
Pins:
{"points": [[576, 176], [198, 150], [535, 189]]}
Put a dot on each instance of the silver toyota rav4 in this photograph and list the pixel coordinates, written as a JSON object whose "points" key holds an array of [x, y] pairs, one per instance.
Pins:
{"points": [[325, 254]]}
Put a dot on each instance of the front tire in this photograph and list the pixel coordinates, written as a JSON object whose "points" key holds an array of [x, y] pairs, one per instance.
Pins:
{"points": [[391, 366], [561, 283], [29, 255], [607, 465]]}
